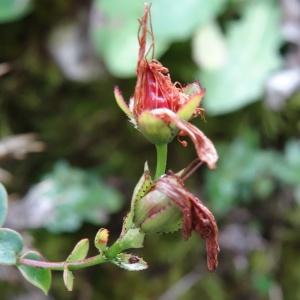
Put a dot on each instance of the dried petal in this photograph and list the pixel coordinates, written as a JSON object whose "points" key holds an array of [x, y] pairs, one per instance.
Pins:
{"points": [[196, 216], [154, 88], [204, 147]]}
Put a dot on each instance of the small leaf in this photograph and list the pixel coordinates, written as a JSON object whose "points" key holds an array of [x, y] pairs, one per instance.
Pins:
{"points": [[41, 278], [68, 279], [80, 251], [130, 262], [3, 204], [101, 239], [11, 244]]}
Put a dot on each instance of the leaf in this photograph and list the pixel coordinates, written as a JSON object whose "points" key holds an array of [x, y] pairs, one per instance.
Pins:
{"points": [[175, 21], [3, 204], [11, 10], [114, 27], [209, 47], [253, 53], [80, 251], [68, 279], [69, 196], [130, 262], [11, 244], [245, 172], [41, 278]]}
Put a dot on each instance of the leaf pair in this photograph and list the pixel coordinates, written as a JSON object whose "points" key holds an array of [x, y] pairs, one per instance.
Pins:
{"points": [[11, 246], [79, 252]]}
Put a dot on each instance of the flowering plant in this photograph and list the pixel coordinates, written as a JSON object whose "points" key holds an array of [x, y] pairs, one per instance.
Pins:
{"points": [[160, 110]]}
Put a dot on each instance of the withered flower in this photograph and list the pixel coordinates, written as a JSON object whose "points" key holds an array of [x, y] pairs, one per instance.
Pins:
{"points": [[161, 109], [169, 206]]}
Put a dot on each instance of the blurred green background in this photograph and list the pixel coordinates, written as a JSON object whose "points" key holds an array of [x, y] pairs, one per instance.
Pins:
{"points": [[70, 159]]}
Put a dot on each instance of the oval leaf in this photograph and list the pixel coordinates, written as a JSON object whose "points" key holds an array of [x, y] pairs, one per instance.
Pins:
{"points": [[41, 278], [80, 251], [68, 279], [3, 204], [11, 244], [130, 262]]}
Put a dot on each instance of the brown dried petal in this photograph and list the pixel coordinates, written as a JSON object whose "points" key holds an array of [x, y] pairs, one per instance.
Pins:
{"points": [[196, 216], [204, 147]]}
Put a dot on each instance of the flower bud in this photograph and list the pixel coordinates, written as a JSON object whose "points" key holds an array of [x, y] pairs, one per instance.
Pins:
{"points": [[168, 206], [160, 109], [155, 212]]}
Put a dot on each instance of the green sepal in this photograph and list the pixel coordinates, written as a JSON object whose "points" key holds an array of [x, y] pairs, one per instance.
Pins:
{"points": [[11, 245], [121, 103], [144, 184], [68, 278], [132, 238], [3, 204], [39, 277], [130, 262], [80, 251], [155, 129], [189, 108]]}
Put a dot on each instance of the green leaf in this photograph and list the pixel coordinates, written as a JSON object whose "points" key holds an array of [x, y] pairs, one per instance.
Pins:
{"points": [[41, 278], [209, 47], [130, 262], [11, 10], [11, 244], [80, 251], [252, 54], [68, 279], [115, 40], [3, 204], [86, 198], [175, 21], [245, 172]]}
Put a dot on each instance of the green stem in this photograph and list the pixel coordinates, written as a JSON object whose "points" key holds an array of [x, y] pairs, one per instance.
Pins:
{"points": [[59, 266], [161, 162]]}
